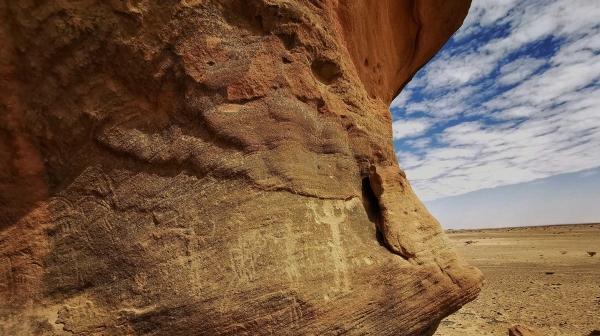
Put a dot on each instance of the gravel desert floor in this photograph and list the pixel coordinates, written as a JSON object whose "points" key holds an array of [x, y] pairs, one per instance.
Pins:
{"points": [[542, 277]]}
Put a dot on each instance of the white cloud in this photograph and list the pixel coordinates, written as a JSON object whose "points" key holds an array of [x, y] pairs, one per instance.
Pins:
{"points": [[419, 143], [451, 71], [411, 127], [477, 156], [484, 13], [519, 70], [529, 20], [547, 124], [409, 160], [401, 100], [516, 112], [446, 106]]}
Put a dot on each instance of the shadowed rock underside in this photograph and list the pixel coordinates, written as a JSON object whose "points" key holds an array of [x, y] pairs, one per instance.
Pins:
{"points": [[216, 167]]}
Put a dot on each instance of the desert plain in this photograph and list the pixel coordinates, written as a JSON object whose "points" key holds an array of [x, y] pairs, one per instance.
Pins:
{"points": [[540, 276]]}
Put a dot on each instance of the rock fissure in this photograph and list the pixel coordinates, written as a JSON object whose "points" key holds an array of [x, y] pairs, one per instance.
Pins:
{"points": [[449, 276]]}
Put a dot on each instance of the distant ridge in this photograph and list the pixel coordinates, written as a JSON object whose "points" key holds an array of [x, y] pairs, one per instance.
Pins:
{"points": [[522, 227]]}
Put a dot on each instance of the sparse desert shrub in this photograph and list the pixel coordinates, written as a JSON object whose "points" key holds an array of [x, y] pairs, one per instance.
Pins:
{"points": [[592, 254], [563, 252]]}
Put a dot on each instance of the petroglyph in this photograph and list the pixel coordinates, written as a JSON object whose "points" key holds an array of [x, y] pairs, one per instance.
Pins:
{"points": [[80, 316], [6, 276], [243, 262], [295, 309], [291, 262], [242, 265], [333, 214], [141, 280]]}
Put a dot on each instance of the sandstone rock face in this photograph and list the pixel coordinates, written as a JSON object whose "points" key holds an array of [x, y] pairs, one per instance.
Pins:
{"points": [[216, 167]]}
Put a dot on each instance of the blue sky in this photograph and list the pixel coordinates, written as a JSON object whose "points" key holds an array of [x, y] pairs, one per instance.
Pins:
{"points": [[513, 97], [560, 199]]}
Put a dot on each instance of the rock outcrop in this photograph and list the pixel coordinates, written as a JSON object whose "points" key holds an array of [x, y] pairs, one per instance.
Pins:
{"points": [[210, 167]]}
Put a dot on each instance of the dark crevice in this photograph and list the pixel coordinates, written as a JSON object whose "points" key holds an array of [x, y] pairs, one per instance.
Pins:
{"points": [[288, 40], [374, 212], [244, 101], [379, 237], [317, 3], [322, 106], [448, 275], [372, 208], [326, 71], [258, 19], [370, 202]]}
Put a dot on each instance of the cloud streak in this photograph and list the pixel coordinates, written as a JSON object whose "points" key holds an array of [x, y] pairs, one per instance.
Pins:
{"points": [[410, 128], [515, 96]]}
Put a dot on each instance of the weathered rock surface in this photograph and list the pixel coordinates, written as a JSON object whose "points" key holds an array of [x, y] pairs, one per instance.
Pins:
{"points": [[522, 330], [216, 167]]}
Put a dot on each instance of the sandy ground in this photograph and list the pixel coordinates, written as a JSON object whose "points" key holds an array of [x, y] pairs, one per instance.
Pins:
{"points": [[519, 290]]}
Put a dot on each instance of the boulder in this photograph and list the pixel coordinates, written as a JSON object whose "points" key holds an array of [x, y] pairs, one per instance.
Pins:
{"points": [[216, 167]]}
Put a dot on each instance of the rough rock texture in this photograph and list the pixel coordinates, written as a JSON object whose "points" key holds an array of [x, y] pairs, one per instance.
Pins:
{"points": [[216, 167], [522, 330]]}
